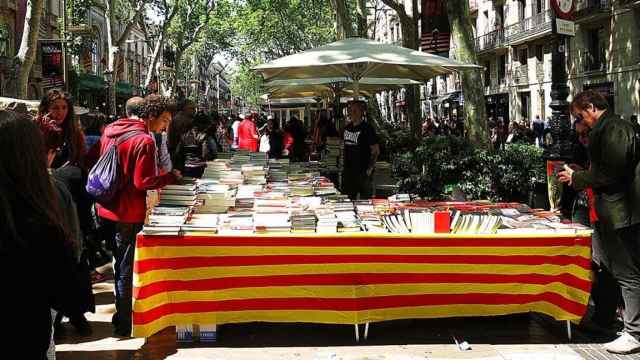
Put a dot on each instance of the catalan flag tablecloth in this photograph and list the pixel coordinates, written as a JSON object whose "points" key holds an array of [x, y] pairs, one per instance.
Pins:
{"points": [[353, 279]]}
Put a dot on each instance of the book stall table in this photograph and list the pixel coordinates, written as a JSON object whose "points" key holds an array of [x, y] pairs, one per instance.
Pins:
{"points": [[356, 278]]}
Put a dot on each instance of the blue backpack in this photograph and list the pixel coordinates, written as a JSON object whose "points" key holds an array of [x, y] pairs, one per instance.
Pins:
{"points": [[104, 180]]}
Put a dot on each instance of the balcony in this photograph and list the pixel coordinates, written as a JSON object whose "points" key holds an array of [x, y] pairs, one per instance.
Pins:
{"points": [[521, 75], [589, 10], [496, 86], [530, 28], [490, 41], [591, 62]]}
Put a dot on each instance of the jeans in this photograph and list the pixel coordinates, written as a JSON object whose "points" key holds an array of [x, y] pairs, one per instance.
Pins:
{"points": [[605, 292], [125, 245], [621, 256], [357, 183]]}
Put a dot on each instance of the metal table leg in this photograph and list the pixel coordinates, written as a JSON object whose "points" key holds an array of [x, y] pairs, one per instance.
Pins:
{"points": [[366, 331], [569, 330], [357, 333]]}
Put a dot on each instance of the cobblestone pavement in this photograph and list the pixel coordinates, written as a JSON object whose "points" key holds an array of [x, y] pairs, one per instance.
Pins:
{"points": [[519, 337]]}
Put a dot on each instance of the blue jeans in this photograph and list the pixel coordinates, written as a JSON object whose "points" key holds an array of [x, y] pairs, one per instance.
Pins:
{"points": [[125, 246]]}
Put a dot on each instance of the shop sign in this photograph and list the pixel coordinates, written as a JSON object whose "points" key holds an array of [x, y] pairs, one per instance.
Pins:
{"points": [[565, 27], [52, 69]]}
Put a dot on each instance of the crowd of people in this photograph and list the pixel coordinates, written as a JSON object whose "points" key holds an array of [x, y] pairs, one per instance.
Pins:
{"points": [[75, 191], [74, 194]]}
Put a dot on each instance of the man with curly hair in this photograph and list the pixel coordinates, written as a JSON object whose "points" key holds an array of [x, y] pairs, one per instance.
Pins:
{"points": [[127, 210]]}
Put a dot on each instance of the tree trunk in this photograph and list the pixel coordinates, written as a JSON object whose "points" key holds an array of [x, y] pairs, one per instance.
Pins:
{"points": [[154, 61], [410, 39], [344, 28], [475, 117], [361, 9], [178, 65], [27, 52], [112, 56]]}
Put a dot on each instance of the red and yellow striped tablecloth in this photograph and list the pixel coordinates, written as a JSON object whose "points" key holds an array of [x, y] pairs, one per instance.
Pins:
{"points": [[351, 279]]}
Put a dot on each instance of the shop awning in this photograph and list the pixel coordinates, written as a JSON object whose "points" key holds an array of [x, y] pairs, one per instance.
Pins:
{"points": [[90, 82], [124, 89], [452, 96]]}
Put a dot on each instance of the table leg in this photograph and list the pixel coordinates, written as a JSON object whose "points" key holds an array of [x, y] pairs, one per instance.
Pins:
{"points": [[357, 333], [366, 331], [569, 330]]}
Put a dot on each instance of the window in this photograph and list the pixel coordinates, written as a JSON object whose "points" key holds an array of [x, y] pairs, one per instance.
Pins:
{"points": [[487, 73], [523, 55], [500, 16], [539, 53], [522, 5], [539, 6], [5, 41], [502, 69]]}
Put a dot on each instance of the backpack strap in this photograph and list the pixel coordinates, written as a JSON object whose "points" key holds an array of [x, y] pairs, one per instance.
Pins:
{"points": [[127, 136]]}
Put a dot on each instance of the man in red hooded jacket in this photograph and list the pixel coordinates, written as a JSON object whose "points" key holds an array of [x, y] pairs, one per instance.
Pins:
{"points": [[248, 134], [127, 211]]}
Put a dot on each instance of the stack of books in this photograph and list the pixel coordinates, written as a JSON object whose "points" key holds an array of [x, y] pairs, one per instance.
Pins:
{"points": [[303, 221], [178, 195], [236, 224], [166, 220], [369, 218], [214, 198], [245, 196], [271, 212], [473, 223], [201, 224], [254, 174], [216, 168], [327, 221]]}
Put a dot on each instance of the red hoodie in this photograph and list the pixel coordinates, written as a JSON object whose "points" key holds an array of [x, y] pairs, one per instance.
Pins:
{"points": [[137, 158], [248, 135]]}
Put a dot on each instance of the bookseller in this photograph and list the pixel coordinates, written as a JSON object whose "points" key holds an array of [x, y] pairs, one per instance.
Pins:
{"points": [[614, 177], [361, 150]]}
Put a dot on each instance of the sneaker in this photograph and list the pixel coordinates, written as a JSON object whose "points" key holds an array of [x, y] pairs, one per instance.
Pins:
{"points": [[625, 344], [82, 325]]}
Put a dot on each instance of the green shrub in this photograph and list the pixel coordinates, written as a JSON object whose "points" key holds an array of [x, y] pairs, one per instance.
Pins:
{"points": [[441, 162]]}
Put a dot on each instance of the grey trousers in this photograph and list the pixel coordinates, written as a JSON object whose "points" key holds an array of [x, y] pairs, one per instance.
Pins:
{"points": [[620, 255]]}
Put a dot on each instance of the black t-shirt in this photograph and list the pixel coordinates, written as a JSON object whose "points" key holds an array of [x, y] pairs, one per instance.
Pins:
{"points": [[357, 147]]}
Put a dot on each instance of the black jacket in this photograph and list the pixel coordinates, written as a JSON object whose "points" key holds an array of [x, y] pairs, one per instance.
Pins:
{"points": [[614, 176]]}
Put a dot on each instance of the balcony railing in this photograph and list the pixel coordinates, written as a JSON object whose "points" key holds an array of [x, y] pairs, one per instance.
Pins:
{"points": [[521, 75], [536, 25], [593, 61], [496, 86], [585, 8], [490, 41]]}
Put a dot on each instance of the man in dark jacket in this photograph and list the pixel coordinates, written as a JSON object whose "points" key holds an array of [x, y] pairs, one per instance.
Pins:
{"points": [[137, 159], [614, 176]]}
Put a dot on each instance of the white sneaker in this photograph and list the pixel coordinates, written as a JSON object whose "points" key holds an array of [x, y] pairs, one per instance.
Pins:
{"points": [[625, 344]]}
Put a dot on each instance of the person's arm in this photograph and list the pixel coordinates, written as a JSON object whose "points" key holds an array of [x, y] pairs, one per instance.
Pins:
{"points": [[165, 158], [144, 176], [254, 131], [615, 151], [372, 139]]}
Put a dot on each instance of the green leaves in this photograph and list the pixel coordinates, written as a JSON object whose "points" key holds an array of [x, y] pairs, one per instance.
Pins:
{"points": [[438, 162]]}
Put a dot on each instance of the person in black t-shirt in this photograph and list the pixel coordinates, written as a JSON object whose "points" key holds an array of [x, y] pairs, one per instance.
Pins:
{"points": [[361, 150]]}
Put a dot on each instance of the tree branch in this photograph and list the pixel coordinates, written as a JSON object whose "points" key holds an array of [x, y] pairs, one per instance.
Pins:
{"points": [[398, 8], [131, 23]]}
